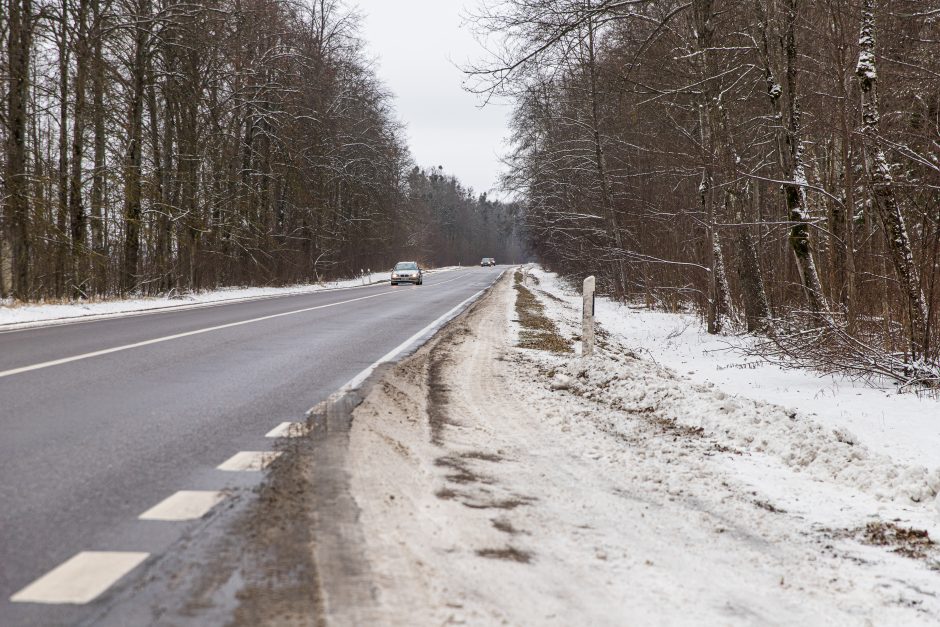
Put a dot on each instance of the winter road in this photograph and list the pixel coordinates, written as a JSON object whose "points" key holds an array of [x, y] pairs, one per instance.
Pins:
{"points": [[119, 434]]}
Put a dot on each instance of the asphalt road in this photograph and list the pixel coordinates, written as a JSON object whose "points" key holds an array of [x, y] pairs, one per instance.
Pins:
{"points": [[89, 444]]}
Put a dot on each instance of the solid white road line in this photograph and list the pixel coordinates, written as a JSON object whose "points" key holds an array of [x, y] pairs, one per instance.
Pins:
{"points": [[26, 325], [80, 579], [249, 460], [356, 381], [176, 336], [287, 430], [184, 505]]}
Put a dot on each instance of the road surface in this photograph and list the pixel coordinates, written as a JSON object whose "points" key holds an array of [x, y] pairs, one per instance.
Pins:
{"points": [[104, 420]]}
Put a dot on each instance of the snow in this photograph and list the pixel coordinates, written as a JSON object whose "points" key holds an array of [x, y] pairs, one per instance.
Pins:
{"points": [[20, 316], [898, 434], [620, 490], [833, 452], [866, 66], [904, 427]]}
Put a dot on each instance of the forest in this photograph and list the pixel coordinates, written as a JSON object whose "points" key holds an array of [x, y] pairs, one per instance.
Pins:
{"points": [[160, 147], [774, 164]]}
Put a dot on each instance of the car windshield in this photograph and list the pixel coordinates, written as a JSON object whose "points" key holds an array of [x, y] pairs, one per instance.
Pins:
{"points": [[406, 265]]}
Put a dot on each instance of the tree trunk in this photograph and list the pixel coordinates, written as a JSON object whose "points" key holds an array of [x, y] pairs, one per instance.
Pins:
{"points": [[76, 205], [163, 234], [132, 159], [19, 47], [98, 233], [756, 308], [791, 156], [62, 175], [601, 165], [719, 294], [882, 189]]}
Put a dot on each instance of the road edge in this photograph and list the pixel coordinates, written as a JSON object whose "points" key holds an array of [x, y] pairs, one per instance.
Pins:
{"points": [[342, 570]]}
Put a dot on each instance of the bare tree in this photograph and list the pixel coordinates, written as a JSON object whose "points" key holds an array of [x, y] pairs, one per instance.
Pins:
{"points": [[882, 189]]}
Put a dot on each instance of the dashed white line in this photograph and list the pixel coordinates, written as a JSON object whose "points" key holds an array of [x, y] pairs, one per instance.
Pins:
{"points": [[81, 579], [249, 460], [287, 430], [184, 505]]}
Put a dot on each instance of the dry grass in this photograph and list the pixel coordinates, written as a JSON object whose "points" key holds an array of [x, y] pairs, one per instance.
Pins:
{"points": [[538, 331]]}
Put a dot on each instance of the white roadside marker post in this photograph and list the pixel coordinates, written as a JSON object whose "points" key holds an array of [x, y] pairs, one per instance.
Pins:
{"points": [[587, 318]]}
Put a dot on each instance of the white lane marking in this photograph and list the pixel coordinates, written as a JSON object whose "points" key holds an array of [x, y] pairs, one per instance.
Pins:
{"points": [[357, 380], [80, 579], [287, 430], [107, 351], [184, 505], [29, 325], [249, 460], [176, 336]]}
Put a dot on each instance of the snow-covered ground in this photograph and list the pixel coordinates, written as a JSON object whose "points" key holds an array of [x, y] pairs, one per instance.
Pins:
{"points": [[906, 427], [17, 316], [508, 485], [834, 453]]}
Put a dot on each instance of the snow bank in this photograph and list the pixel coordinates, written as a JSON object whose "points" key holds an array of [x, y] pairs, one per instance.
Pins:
{"points": [[819, 426]]}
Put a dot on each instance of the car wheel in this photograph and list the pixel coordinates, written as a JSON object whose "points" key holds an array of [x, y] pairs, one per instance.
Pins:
{"points": [[394, 283]]}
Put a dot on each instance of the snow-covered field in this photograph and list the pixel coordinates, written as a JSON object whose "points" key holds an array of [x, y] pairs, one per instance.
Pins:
{"points": [[17, 316], [508, 485]]}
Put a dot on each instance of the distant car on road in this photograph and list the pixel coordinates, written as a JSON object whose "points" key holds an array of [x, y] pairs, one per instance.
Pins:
{"points": [[407, 272], [487, 261]]}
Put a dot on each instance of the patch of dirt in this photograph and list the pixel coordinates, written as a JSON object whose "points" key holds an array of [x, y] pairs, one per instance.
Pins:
{"points": [[486, 457], [281, 585], [501, 524], [671, 427], [770, 507], [511, 554], [460, 471], [507, 504], [538, 331], [913, 543], [445, 494]]}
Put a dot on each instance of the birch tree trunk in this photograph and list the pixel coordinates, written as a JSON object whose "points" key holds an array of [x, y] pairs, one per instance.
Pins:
{"points": [[791, 154], [719, 297], [882, 189]]}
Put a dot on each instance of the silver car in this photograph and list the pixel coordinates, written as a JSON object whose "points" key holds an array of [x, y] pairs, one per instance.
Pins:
{"points": [[407, 272]]}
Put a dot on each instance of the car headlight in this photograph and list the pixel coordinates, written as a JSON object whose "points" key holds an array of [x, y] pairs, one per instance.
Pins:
{"points": [[394, 276]]}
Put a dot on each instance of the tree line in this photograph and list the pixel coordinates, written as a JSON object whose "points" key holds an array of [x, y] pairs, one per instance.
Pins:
{"points": [[774, 162], [161, 146]]}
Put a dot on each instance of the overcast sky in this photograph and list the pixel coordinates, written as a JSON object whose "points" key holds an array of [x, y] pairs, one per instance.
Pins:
{"points": [[417, 44]]}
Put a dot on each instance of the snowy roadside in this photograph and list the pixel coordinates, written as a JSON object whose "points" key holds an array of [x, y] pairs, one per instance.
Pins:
{"points": [[500, 482], [903, 426], [874, 439], [22, 316], [847, 461]]}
